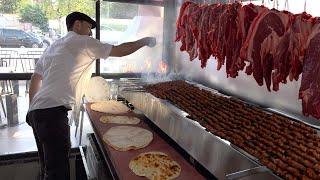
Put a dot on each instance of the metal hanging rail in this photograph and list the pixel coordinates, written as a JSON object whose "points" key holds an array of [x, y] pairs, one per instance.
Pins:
{"points": [[144, 2]]}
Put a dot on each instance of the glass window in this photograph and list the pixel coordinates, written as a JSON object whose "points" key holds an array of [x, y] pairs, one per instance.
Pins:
{"points": [[123, 22], [42, 22]]}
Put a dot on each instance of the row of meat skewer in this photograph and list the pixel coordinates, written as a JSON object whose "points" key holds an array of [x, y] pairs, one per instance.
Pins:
{"points": [[289, 148], [271, 45]]}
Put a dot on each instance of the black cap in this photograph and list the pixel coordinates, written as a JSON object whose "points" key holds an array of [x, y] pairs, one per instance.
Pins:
{"points": [[72, 17]]}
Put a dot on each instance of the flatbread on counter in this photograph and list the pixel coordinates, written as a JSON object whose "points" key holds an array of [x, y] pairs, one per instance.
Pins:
{"points": [[111, 107], [120, 119], [155, 165], [124, 138]]}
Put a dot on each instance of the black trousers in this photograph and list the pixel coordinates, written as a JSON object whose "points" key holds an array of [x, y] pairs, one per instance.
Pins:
{"points": [[52, 135]]}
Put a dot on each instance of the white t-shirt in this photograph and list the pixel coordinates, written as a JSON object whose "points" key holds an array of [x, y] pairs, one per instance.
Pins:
{"points": [[62, 67]]}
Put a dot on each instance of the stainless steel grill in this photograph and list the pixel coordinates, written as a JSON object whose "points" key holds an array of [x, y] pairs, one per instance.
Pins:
{"points": [[220, 157]]}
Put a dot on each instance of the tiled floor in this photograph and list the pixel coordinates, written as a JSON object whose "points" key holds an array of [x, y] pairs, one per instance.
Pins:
{"points": [[20, 138]]}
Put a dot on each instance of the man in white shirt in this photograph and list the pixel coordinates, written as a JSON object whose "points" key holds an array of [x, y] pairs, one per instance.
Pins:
{"points": [[58, 78]]}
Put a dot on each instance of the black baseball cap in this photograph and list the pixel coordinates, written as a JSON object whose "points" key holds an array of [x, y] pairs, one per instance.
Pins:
{"points": [[72, 17]]}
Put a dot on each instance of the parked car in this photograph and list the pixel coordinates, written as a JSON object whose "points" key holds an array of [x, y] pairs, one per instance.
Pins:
{"points": [[18, 38], [46, 41]]}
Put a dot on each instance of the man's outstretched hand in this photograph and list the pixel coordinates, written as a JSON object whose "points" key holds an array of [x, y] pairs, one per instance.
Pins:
{"points": [[150, 41]]}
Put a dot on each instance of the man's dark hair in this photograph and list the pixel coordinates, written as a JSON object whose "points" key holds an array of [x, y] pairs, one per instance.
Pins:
{"points": [[72, 17]]}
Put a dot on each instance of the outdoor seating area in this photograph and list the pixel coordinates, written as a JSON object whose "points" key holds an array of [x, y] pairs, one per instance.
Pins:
{"points": [[15, 61], [18, 60]]}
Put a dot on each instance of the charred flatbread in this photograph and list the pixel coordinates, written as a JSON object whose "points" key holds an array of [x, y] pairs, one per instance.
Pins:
{"points": [[155, 165], [124, 138]]}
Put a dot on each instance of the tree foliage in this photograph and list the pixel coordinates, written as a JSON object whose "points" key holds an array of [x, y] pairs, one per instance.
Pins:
{"points": [[118, 10], [9, 6], [59, 8], [35, 15], [123, 11], [23, 3]]}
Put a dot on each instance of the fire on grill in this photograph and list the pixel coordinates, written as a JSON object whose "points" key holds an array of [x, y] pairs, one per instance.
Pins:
{"points": [[288, 147]]}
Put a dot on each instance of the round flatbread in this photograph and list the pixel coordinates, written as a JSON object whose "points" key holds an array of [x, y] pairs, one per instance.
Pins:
{"points": [[120, 119], [111, 107], [97, 90], [155, 165], [124, 138]]}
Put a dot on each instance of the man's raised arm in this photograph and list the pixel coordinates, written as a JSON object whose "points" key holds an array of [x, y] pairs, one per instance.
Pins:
{"points": [[127, 48]]}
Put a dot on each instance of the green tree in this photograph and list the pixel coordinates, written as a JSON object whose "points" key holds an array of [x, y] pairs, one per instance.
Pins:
{"points": [[123, 10], [35, 15], [23, 3], [118, 10], [56, 9], [9, 6]]}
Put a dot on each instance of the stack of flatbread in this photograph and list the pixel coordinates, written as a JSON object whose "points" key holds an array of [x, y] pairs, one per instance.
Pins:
{"points": [[119, 119], [124, 138], [155, 165], [97, 90], [112, 107]]}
